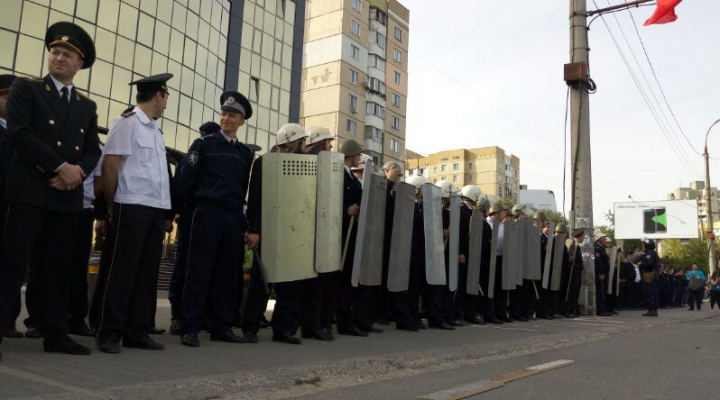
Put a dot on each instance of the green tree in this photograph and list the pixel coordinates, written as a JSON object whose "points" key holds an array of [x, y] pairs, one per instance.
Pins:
{"points": [[683, 255]]}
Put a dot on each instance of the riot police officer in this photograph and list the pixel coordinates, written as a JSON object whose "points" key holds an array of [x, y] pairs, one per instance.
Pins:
{"points": [[602, 269], [649, 262]]}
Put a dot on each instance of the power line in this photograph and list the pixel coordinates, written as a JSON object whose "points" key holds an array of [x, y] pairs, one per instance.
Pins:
{"points": [[683, 161], [668, 126]]}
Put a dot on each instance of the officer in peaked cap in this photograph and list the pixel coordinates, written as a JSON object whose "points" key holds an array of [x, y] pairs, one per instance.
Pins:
{"points": [[136, 185], [215, 183], [54, 129]]}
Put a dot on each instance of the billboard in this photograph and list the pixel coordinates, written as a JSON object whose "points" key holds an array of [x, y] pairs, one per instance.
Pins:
{"points": [[674, 219]]}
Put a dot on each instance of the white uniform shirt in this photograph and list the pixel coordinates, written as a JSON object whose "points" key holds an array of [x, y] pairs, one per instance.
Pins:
{"points": [[143, 176], [89, 184], [3, 123], [501, 236]]}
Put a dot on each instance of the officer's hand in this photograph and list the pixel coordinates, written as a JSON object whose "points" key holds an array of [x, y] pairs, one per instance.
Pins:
{"points": [[56, 183], [253, 239], [71, 175], [461, 258], [353, 210], [100, 228], [446, 233], [168, 225]]}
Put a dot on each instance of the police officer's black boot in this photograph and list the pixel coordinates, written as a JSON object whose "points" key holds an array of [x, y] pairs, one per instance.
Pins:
{"points": [[651, 313]]}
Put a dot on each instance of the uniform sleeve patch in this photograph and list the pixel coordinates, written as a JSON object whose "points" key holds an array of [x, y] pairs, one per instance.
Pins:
{"points": [[193, 157]]}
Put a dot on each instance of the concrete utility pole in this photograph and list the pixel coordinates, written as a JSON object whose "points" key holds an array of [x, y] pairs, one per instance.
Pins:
{"points": [[581, 215], [708, 202]]}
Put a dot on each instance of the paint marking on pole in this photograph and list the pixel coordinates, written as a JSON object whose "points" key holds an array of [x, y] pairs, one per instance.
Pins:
{"points": [[483, 385]]}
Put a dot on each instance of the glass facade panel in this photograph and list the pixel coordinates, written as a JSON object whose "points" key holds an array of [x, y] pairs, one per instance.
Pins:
{"points": [[10, 17], [7, 43]]}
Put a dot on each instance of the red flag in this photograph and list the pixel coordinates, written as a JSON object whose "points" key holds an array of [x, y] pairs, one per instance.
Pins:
{"points": [[664, 13]]}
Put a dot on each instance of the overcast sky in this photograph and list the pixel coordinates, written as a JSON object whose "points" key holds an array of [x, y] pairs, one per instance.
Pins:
{"points": [[486, 73]]}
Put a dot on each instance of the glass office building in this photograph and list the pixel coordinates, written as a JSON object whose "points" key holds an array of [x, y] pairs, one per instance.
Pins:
{"points": [[253, 46]]}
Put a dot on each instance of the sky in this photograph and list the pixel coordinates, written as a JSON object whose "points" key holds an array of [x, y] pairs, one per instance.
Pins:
{"points": [[490, 73]]}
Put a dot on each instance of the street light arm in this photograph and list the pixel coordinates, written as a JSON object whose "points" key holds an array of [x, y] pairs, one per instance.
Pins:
{"points": [[708, 134]]}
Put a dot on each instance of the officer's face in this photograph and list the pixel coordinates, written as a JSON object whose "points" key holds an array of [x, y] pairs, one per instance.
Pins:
{"points": [[302, 145], [356, 160], [63, 63], [231, 121], [327, 144]]}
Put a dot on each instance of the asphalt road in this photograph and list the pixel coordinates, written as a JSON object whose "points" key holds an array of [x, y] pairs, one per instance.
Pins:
{"points": [[627, 356]]}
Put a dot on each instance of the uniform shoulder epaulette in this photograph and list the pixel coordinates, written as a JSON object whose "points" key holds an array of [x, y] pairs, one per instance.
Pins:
{"points": [[127, 114], [32, 78]]}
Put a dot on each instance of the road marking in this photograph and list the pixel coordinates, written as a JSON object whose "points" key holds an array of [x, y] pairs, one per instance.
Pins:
{"points": [[471, 389], [28, 376]]}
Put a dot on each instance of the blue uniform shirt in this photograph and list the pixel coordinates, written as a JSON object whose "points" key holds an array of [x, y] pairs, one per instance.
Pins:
{"points": [[216, 172]]}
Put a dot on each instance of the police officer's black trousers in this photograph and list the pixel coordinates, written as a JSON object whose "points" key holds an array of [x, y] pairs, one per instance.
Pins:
{"points": [[33, 232], [348, 295], [258, 294], [530, 296], [312, 304], [287, 314], [500, 296], [78, 304], [600, 296], [126, 296], [214, 264], [332, 282], [465, 304], [177, 279], [434, 295], [416, 284]]}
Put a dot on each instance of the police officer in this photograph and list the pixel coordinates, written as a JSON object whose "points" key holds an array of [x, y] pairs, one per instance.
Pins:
{"points": [[136, 186], [542, 305], [466, 304], [602, 268], [6, 151], [649, 262], [573, 274], [554, 297], [347, 297], [319, 139], [497, 212], [445, 296], [54, 134], [287, 315], [183, 220], [215, 182]]}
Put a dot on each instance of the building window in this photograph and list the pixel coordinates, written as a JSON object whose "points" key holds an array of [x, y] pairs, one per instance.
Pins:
{"points": [[395, 146], [354, 52], [375, 109], [422, 171], [381, 40], [395, 122], [376, 160], [377, 15], [353, 103], [377, 62], [443, 168], [434, 170], [444, 159], [469, 165], [470, 177], [396, 100], [396, 78], [351, 126], [398, 34], [377, 134], [376, 85], [357, 5], [443, 178], [353, 77], [355, 27], [455, 178], [397, 55], [456, 166]]}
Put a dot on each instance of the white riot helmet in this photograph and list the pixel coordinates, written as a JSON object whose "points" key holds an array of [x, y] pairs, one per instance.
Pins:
{"points": [[417, 181], [445, 189], [472, 192], [290, 132], [318, 134]]}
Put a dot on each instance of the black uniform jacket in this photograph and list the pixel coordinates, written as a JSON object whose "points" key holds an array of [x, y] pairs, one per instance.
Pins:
{"points": [[45, 137]]}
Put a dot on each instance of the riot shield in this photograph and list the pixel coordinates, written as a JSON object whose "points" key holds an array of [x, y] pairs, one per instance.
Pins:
{"points": [[511, 267], [548, 258], [475, 257], [288, 216], [613, 268], [401, 242], [454, 242], [371, 225], [328, 232], [493, 259], [531, 266], [558, 252], [434, 244]]}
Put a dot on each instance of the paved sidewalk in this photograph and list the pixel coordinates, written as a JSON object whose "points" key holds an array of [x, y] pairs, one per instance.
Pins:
{"points": [[270, 370]]}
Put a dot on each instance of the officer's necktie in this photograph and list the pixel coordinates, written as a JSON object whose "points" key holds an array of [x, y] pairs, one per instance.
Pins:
{"points": [[64, 99]]}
